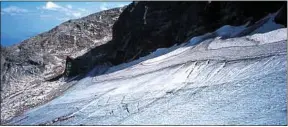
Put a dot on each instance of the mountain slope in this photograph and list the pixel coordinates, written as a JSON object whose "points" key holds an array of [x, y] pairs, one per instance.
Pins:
{"points": [[33, 74], [30, 68], [146, 26], [214, 79]]}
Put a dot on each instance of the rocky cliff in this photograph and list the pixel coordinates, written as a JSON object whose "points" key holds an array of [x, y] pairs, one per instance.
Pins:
{"points": [[32, 71], [209, 80], [145, 26], [29, 69]]}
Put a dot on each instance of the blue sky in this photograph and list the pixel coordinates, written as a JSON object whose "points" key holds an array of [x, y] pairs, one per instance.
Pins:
{"points": [[22, 20]]}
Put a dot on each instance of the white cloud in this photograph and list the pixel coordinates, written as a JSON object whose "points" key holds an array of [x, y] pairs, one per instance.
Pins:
{"points": [[82, 9], [120, 5], [67, 11], [103, 7], [76, 14], [69, 6], [13, 10], [51, 6]]}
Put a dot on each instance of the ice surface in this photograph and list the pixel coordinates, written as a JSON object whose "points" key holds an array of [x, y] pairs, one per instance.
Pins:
{"points": [[206, 81]]}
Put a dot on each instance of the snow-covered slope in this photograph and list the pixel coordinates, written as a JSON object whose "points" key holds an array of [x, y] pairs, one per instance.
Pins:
{"points": [[232, 81]]}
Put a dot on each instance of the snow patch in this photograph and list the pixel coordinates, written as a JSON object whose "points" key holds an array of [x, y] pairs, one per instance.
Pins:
{"points": [[218, 85]]}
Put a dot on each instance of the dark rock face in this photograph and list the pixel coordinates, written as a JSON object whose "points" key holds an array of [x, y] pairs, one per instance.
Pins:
{"points": [[141, 28], [156, 24], [97, 56], [146, 26], [281, 18], [2, 49]]}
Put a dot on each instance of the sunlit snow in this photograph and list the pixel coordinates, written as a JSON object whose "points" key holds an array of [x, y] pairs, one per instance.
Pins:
{"points": [[209, 80]]}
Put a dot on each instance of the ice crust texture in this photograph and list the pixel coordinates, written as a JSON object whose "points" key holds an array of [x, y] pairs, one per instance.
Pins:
{"points": [[206, 81]]}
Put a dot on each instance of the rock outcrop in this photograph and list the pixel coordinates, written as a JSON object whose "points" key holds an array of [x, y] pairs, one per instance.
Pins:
{"points": [[31, 70], [232, 81], [34, 68], [144, 27]]}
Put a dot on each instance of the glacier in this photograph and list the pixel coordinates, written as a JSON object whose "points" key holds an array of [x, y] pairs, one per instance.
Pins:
{"points": [[218, 78]]}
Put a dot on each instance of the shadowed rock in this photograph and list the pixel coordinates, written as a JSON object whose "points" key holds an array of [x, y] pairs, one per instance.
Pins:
{"points": [[144, 27]]}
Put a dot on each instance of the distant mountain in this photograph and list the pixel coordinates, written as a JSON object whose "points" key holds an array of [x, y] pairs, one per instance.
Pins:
{"points": [[42, 67], [41, 58]]}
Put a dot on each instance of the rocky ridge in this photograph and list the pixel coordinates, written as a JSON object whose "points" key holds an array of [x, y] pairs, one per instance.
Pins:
{"points": [[214, 79], [144, 27], [29, 69], [141, 28]]}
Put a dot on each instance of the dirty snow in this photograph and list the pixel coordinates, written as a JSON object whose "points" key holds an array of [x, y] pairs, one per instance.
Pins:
{"points": [[231, 81]]}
